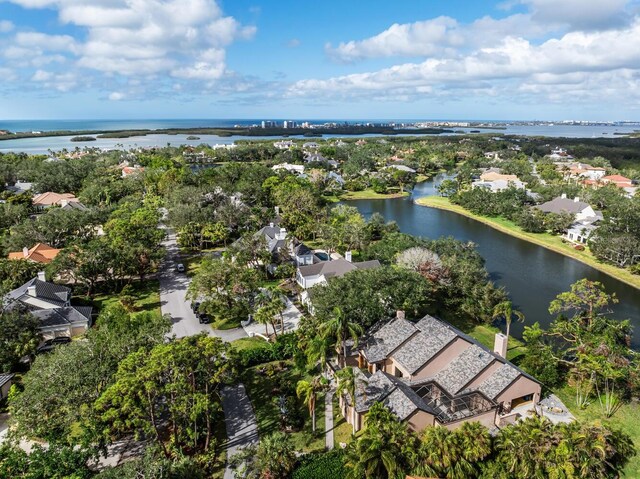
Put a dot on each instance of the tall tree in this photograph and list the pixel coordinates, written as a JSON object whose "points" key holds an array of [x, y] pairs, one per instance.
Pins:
{"points": [[505, 310], [342, 329], [308, 391], [19, 337]]}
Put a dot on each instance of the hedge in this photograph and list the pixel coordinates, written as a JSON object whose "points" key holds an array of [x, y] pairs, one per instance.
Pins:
{"points": [[328, 465]]}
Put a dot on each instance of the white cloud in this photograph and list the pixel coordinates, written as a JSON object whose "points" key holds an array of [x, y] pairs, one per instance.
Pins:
{"points": [[580, 14], [138, 38], [116, 96], [6, 26], [513, 64]]}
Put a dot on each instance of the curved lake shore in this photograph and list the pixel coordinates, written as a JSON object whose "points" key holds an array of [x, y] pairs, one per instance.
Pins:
{"points": [[545, 240]]}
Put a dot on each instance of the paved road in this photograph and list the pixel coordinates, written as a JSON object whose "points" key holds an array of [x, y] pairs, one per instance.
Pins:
{"points": [[173, 290], [240, 421], [328, 419]]}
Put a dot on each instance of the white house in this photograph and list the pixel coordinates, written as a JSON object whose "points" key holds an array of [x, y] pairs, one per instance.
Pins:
{"points": [[585, 216], [283, 144], [311, 275], [51, 304], [297, 169]]}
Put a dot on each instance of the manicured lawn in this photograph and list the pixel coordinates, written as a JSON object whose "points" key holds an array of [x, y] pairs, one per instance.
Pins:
{"points": [[249, 343], [264, 390], [545, 240], [146, 294], [341, 428], [371, 195], [225, 323], [626, 419]]}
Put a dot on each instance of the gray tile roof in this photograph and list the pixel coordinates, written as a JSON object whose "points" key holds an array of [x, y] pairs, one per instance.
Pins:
{"points": [[302, 250], [563, 205], [463, 368], [336, 268], [433, 337], [53, 293], [385, 340], [63, 316], [498, 381], [269, 232]]}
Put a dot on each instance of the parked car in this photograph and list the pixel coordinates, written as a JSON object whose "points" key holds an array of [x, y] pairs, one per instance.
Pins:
{"points": [[195, 306], [180, 268], [204, 318]]}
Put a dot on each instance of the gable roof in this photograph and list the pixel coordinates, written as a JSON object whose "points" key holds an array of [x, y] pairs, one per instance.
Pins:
{"points": [[433, 337], [52, 293], [40, 253], [335, 268], [461, 371], [302, 249], [63, 316], [387, 339]]}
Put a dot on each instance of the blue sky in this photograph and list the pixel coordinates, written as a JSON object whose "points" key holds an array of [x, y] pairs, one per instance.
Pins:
{"points": [[459, 59]]}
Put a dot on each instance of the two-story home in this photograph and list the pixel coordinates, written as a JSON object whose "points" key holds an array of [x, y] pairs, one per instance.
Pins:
{"points": [[430, 373], [585, 216], [311, 275], [51, 304]]}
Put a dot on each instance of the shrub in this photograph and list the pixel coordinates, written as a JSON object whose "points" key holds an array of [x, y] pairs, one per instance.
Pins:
{"points": [[327, 465]]}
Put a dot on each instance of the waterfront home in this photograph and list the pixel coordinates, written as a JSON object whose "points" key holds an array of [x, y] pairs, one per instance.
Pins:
{"points": [[51, 304], [429, 373], [584, 215], [319, 273], [40, 253], [495, 181], [404, 168], [49, 198]]}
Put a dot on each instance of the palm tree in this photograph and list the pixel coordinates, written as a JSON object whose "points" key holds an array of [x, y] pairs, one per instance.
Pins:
{"points": [[276, 455], [308, 392], [277, 304], [341, 328], [506, 310], [347, 386]]}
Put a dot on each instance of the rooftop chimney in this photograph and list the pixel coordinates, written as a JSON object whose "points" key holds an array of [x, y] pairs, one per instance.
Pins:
{"points": [[564, 195], [576, 199], [400, 314], [271, 225], [31, 291], [41, 276], [25, 252], [500, 345], [64, 203], [277, 208], [347, 256], [282, 234]]}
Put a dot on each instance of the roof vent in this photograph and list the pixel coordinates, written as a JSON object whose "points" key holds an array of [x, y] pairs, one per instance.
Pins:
{"points": [[564, 196], [41, 276], [25, 252], [31, 291], [576, 199]]}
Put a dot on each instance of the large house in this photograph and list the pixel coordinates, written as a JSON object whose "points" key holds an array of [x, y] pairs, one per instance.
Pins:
{"points": [[40, 253], [313, 274], [494, 180], [48, 199], [585, 216], [51, 304], [430, 373]]}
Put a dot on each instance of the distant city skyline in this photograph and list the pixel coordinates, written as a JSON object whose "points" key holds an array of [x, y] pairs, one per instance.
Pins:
{"points": [[464, 60]]}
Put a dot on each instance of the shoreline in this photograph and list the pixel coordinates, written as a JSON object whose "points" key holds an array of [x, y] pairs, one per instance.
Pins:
{"points": [[619, 274]]}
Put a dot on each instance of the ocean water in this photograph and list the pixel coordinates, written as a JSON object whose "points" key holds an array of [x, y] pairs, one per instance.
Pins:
{"points": [[43, 145]]}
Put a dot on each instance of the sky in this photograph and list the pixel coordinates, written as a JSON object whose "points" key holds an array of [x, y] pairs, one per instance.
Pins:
{"points": [[401, 59]]}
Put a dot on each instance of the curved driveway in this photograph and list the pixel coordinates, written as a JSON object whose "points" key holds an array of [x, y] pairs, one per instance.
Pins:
{"points": [[173, 290]]}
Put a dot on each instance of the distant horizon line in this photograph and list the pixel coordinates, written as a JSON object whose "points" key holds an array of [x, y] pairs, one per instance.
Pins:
{"points": [[322, 119]]}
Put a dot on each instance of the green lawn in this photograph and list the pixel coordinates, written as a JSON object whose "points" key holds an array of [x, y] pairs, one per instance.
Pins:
{"points": [[249, 343], [225, 323], [263, 390], [545, 240], [342, 430], [627, 419], [371, 195], [146, 294]]}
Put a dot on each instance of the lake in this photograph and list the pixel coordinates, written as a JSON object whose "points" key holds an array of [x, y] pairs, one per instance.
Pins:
{"points": [[531, 274]]}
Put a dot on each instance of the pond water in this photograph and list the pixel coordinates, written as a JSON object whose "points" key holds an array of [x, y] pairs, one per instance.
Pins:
{"points": [[531, 274]]}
